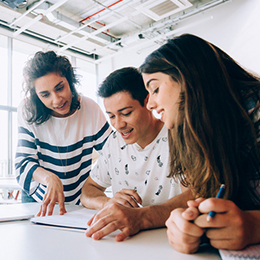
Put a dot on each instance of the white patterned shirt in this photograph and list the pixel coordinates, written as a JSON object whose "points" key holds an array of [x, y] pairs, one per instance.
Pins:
{"points": [[128, 166]]}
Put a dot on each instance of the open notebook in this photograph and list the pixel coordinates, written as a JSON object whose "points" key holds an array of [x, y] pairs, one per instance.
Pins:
{"points": [[251, 252], [75, 220]]}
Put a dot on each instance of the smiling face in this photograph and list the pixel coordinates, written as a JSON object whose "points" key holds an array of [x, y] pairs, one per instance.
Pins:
{"points": [[164, 95], [54, 92], [129, 118]]}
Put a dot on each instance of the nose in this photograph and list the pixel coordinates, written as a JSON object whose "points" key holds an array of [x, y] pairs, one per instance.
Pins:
{"points": [[151, 105], [56, 99], [119, 123]]}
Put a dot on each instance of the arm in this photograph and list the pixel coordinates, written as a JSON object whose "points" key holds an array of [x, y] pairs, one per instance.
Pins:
{"points": [[29, 172], [131, 220], [93, 196], [54, 192], [155, 216]]}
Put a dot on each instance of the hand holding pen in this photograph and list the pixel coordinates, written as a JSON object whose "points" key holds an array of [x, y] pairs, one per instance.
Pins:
{"points": [[219, 196]]}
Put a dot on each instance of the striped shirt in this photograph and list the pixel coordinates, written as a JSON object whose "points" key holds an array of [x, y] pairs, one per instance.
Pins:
{"points": [[63, 146]]}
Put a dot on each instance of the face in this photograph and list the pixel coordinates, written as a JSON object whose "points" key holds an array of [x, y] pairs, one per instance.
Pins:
{"points": [[163, 96], [128, 117], [54, 92]]}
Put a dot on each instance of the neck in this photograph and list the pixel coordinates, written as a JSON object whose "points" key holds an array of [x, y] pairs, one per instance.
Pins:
{"points": [[153, 130]]}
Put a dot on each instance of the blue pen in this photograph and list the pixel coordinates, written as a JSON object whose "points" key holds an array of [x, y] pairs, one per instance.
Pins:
{"points": [[219, 196]]}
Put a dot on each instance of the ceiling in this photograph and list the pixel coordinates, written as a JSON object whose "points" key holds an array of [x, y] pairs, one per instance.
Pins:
{"points": [[98, 28]]}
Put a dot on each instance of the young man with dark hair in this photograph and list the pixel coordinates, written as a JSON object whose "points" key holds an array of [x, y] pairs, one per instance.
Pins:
{"points": [[134, 161]]}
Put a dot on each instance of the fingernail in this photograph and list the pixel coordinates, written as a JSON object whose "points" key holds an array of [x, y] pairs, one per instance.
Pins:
{"points": [[190, 213]]}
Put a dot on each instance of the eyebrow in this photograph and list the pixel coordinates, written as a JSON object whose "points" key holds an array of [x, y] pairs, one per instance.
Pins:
{"points": [[120, 110], [149, 81], [57, 85]]}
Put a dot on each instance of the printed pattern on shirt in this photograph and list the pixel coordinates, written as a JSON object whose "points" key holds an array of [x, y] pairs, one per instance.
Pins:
{"points": [[131, 167]]}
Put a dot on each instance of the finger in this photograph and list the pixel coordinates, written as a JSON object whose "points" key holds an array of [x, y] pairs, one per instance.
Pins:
{"points": [[40, 212], [195, 203], [190, 213], [102, 228], [220, 220], [89, 222], [44, 208], [126, 201], [50, 208], [133, 194], [182, 242], [214, 204], [134, 203], [123, 235], [62, 208], [104, 212], [183, 225]]}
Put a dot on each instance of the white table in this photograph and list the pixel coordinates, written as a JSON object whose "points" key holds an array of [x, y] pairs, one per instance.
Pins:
{"points": [[21, 240]]}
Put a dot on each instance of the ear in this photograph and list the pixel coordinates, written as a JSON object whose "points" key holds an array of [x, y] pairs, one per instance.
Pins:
{"points": [[146, 100]]}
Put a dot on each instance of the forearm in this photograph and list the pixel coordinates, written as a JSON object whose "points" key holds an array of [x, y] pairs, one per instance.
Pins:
{"points": [[93, 198], [155, 216]]}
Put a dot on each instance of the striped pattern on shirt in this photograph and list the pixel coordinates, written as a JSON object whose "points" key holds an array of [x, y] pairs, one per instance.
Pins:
{"points": [[60, 145]]}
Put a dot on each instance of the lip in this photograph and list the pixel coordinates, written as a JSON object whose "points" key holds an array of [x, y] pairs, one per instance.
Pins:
{"points": [[62, 107], [126, 134], [160, 112]]}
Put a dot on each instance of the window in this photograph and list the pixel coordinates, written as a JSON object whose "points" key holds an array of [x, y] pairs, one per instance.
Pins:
{"points": [[21, 52], [87, 77], [4, 144], [3, 69]]}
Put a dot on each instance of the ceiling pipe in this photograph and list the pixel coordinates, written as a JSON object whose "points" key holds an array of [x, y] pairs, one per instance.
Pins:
{"points": [[113, 11], [95, 33], [66, 22], [39, 17], [25, 13], [82, 21], [92, 21], [155, 27]]}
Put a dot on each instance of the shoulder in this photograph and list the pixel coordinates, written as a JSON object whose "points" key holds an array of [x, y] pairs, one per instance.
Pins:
{"points": [[115, 141], [22, 112], [163, 134], [21, 106], [88, 101], [89, 105]]}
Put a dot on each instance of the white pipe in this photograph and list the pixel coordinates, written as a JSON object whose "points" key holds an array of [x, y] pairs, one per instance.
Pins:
{"points": [[95, 33], [27, 12], [39, 17]]}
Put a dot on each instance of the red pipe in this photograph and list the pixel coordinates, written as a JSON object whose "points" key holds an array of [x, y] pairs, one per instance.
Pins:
{"points": [[100, 23], [100, 11], [102, 32]]}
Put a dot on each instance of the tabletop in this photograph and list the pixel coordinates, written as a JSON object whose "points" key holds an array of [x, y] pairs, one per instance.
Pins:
{"points": [[25, 241]]}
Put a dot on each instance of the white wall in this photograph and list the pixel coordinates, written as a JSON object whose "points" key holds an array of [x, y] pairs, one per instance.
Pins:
{"points": [[233, 26]]}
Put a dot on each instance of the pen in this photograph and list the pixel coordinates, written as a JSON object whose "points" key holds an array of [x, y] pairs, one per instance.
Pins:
{"points": [[140, 205], [219, 196]]}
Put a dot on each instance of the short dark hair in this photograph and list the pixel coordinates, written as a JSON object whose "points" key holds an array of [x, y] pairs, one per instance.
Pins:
{"points": [[41, 64], [126, 79]]}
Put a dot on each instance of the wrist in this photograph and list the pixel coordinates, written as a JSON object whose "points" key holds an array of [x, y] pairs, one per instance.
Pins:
{"points": [[49, 177], [105, 201], [146, 220]]}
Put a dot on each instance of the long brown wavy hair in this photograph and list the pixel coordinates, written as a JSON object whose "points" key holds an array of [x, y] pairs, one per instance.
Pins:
{"points": [[214, 140]]}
